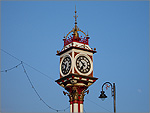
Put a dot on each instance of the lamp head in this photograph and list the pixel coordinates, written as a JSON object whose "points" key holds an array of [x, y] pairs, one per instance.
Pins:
{"points": [[102, 95]]}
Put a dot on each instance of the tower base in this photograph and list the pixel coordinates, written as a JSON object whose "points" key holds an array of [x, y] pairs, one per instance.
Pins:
{"points": [[77, 86]]}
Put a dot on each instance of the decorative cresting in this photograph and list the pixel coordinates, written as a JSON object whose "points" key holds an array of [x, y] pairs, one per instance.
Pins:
{"points": [[83, 40]]}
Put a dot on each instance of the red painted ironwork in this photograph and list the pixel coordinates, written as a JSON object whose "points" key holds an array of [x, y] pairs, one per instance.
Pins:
{"points": [[76, 39]]}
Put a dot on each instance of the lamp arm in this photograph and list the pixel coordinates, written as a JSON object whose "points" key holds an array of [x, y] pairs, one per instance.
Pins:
{"points": [[110, 85]]}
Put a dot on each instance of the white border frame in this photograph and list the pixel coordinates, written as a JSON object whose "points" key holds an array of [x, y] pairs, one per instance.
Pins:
{"points": [[91, 62], [61, 63]]}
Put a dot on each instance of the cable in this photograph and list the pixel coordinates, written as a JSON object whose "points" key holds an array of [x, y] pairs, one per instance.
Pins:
{"points": [[98, 105], [10, 55], [84, 110], [38, 93], [38, 71], [32, 84], [27, 64], [22, 64], [6, 70]]}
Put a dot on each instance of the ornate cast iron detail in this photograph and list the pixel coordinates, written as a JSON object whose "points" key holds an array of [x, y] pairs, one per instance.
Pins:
{"points": [[75, 96], [69, 95], [83, 94]]}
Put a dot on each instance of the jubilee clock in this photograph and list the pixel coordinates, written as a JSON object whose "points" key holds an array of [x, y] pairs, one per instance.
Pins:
{"points": [[76, 67]]}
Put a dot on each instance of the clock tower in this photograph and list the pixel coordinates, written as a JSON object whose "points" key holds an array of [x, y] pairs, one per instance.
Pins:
{"points": [[76, 67]]}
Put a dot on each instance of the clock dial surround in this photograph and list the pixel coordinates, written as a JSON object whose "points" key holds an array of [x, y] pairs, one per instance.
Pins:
{"points": [[66, 65], [83, 64]]}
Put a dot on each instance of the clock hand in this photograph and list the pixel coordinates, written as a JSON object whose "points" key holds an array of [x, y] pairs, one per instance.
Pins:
{"points": [[82, 67], [83, 63], [64, 66]]}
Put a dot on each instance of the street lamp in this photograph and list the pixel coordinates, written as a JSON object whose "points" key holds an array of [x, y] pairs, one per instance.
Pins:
{"points": [[113, 93], [102, 95]]}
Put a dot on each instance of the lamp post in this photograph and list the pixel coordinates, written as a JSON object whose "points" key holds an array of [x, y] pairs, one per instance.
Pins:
{"points": [[113, 93]]}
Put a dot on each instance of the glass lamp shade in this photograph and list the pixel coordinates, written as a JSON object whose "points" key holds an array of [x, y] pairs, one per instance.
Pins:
{"points": [[102, 99]]}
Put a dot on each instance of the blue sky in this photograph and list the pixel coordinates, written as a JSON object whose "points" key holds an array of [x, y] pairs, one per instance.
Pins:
{"points": [[33, 31]]}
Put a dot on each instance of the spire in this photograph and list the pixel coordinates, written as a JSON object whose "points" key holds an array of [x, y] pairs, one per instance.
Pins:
{"points": [[75, 17], [75, 29]]}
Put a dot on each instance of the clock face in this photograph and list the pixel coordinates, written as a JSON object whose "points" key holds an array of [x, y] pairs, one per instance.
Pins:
{"points": [[83, 64], [66, 65]]}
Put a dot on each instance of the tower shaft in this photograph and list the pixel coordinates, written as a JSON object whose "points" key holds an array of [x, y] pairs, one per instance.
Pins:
{"points": [[76, 97]]}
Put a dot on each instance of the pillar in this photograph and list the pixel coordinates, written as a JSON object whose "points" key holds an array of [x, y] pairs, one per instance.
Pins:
{"points": [[76, 98]]}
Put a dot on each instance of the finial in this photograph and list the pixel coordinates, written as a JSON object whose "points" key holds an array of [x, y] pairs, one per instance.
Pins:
{"points": [[64, 35], [87, 34]]}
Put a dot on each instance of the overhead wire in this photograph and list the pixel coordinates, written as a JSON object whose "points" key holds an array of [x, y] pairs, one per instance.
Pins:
{"points": [[21, 63], [6, 70], [10, 55], [34, 87], [57, 110], [98, 105], [84, 110], [27, 64]]}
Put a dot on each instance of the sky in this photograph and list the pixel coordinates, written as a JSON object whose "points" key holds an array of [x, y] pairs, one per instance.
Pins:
{"points": [[32, 32]]}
